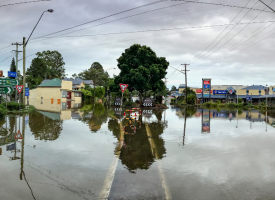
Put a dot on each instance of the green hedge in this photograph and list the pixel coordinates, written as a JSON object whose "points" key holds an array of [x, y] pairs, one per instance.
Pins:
{"points": [[12, 106], [2, 113]]}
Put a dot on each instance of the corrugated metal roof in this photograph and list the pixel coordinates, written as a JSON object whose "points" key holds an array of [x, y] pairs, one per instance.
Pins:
{"points": [[255, 87], [51, 83]]}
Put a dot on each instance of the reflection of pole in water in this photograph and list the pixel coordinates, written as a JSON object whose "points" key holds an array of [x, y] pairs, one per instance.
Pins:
{"points": [[265, 121], [184, 126], [237, 118], [22, 147]]}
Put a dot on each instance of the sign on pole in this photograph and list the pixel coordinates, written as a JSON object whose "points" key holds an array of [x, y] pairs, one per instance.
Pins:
{"points": [[4, 82], [1, 73], [206, 88], [19, 88], [18, 135], [12, 74], [123, 87], [6, 90], [117, 101], [11, 147]]}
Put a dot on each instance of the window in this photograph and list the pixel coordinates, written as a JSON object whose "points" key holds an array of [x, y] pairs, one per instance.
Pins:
{"points": [[260, 92], [64, 94], [77, 94], [247, 92]]}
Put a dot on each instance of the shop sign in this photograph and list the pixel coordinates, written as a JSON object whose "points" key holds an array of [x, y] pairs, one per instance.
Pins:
{"points": [[220, 91]]}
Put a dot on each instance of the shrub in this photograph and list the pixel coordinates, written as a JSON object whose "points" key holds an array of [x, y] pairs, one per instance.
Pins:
{"points": [[129, 104], [230, 105], [191, 99], [173, 100], [218, 102], [240, 105], [13, 106], [2, 113], [208, 104]]}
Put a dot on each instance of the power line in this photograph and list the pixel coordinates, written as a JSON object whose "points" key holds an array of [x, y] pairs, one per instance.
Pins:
{"points": [[198, 56], [12, 4], [6, 58], [267, 6], [131, 9]]}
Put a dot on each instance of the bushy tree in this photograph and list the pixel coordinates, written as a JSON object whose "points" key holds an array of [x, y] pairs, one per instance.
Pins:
{"points": [[173, 88], [141, 69], [36, 72], [54, 62]]}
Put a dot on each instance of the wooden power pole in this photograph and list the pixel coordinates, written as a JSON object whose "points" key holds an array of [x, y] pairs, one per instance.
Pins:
{"points": [[185, 72]]}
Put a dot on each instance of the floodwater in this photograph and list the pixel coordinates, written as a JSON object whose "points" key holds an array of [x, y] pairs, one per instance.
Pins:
{"points": [[94, 153]]}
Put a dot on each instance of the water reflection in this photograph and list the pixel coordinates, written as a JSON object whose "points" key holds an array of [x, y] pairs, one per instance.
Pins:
{"points": [[140, 141], [45, 125]]}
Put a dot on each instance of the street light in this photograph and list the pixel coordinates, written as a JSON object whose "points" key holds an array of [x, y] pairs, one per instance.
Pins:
{"points": [[266, 97], [24, 52]]}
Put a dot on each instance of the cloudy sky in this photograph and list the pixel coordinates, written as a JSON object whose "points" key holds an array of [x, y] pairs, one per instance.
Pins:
{"points": [[231, 43]]}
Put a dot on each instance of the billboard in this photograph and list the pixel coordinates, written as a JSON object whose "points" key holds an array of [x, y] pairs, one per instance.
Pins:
{"points": [[206, 88]]}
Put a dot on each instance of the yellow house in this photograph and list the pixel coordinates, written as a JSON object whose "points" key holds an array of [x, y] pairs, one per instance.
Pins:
{"points": [[54, 95]]}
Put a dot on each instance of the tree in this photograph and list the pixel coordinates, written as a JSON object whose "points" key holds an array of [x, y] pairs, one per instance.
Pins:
{"points": [[13, 67], [54, 62], [36, 73], [141, 69], [173, 88], [97, 74]]}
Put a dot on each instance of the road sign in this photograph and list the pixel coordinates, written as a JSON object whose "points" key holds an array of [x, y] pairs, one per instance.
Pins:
{"points": [[1, 73], [18, 135], [123, 86], [27, 94], [12, 74], [6, 90], [27, 89], [11, 147], [117, 101], [19, 88], [8, 82], [148, 102], [248, 98]]}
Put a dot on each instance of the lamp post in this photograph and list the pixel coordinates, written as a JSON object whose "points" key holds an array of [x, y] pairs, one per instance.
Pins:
{"points": [[24, 53], [266, 98]]}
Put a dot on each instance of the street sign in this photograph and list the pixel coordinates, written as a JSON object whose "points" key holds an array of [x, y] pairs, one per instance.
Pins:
{"points": [[12, 74], [11, 147], [18, 135], [1, 73], [19, 88], [117, 101], [123, 86], [6, 90], [27, 94], [148, 102], [27, 89], [248, 98], [8, 82]]}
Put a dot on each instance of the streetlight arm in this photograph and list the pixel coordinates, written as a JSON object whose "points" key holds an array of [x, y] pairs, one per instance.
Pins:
{"points": [[34, 28]]}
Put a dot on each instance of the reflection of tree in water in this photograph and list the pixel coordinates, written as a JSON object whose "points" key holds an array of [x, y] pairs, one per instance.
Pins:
{"points": [[98, 117], [136, 152], [44, 128]]}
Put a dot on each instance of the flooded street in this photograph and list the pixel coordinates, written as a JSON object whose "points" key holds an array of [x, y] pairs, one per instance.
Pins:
{"points": [[96, 153]]}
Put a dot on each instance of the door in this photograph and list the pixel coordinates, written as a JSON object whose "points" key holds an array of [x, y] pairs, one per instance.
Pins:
{"points": [[69, 94]]}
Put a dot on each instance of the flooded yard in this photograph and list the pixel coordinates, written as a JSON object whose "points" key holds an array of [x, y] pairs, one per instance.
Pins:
{"points": [[94, 152]]}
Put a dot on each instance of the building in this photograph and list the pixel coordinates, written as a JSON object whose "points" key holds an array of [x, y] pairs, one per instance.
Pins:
{"points": [[78, 83], [54, 95], [232, 94]]}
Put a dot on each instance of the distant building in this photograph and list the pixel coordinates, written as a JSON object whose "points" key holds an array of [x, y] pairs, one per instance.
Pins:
{"points": [[54, 95], [78, 83]]}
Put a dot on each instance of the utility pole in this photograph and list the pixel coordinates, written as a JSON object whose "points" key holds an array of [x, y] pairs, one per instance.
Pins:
{"points": [[185, 65], [17, 44], [24, 68]]}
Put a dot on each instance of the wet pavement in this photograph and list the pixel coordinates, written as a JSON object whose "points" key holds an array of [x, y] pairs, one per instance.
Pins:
{"points": [[93, 152]]}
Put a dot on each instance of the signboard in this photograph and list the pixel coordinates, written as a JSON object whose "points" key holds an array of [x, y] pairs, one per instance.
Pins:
{"points": [[8, 82], [6, 90], [148, 102], [18, 135], [11, 147], [123, 87], [117, 102], [19, 88], [220, 91], [12, 74], [1, 73], [248, 98], [206, 82], [27, 89], [206, 88], [27, 94]]}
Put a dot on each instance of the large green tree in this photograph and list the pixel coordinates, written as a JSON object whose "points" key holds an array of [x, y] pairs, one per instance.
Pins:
{"points": [[12, 67], [54, 62], [97, 74], [36, 72], [141, 69], [173, 88]]}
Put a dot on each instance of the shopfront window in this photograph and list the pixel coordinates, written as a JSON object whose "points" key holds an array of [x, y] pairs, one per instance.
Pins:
{"points": [[247, 92]]}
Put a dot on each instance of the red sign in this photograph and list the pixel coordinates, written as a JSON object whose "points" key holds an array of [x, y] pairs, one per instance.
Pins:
{"points": [[19, 88], [206, 82], [123, 86], [200, 91], [18, 135]]}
